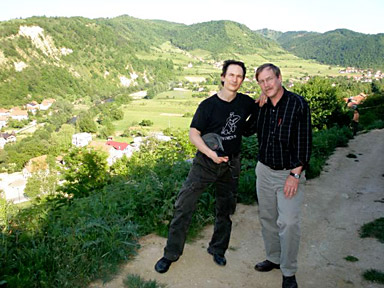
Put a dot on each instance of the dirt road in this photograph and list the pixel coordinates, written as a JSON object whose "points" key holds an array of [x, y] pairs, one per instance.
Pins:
{"points": [[336, 205]]}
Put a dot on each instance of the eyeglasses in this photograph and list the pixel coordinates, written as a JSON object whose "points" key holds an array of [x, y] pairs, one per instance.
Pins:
{"points": [[268, 80]]}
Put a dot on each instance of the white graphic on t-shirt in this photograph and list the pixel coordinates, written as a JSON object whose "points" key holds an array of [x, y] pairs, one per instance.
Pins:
{"points": [[230, 126]]}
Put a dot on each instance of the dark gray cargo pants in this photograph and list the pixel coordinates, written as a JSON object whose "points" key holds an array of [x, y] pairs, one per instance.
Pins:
{"points": [[204, 172]]}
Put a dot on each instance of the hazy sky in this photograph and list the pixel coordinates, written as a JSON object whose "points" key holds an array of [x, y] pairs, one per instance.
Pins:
{"points": [[281, 15]]}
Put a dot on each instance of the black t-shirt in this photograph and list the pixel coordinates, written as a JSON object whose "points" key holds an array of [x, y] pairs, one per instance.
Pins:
{"points": [[226, 119]]}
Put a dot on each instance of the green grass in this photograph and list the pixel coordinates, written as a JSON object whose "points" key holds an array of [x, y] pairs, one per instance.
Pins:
{"points": [[164, 113], [374, 276], [351, 258], [373, 229], [135, 281]]}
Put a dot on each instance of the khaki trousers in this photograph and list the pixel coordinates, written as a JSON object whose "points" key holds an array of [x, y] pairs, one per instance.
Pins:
{"points": [[279, 217]]}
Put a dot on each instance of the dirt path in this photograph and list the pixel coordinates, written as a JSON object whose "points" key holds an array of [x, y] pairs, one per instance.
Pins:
{"points": [[337, 204]]}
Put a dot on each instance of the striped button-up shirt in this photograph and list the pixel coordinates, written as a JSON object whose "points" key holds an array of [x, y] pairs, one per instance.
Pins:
{"points": [[284, 132]]}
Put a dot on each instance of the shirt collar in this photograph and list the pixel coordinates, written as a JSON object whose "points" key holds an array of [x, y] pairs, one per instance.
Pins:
{"points": [[282, 100]]}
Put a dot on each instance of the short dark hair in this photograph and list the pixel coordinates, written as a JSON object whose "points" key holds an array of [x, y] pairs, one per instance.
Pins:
{"points": [[274, 68], [232, 62]]}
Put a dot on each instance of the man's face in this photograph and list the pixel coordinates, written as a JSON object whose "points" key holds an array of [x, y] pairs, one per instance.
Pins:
{"points": [[233, 78], [269, 83]]}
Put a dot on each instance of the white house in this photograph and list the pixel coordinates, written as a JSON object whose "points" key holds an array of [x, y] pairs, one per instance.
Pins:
{"points": [[2, 142], [18, 114], [81, 139], [33, 107], [8, 138], [46, 104], [3, 121], [4, 112]]}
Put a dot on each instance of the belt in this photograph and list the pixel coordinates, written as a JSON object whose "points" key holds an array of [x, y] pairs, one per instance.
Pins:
{"points": [[276, 167]]}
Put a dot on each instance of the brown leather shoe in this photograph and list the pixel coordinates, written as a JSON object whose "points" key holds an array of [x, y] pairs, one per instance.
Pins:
{"points": [[266, 266]]}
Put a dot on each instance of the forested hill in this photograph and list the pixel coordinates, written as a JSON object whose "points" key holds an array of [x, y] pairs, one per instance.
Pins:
{"points": [[220, 37], [338, 47], [79, 58]]}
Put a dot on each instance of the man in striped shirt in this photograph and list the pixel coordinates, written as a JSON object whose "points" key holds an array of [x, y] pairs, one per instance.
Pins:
{"points": [[283, 127]]}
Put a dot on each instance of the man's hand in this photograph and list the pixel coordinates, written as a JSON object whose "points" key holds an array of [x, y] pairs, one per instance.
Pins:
{"points": [[262, 100], [290, 187], [216, 158]]}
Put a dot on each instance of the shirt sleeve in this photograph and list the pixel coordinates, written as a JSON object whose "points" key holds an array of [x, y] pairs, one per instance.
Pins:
{"points": [[199, 119]]}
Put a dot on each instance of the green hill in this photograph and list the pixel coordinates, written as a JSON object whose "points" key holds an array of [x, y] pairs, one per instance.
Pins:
{"points": [[221, 37], [338, 47]]}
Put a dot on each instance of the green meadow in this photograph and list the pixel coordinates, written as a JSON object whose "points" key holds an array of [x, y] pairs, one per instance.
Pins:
{"points": [[172, 109]]}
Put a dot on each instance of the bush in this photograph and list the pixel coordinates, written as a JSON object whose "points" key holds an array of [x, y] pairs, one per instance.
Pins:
{"points": [[146, 123]]}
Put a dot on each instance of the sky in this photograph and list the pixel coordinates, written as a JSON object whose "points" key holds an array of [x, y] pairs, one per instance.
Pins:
{"points": [[280, 15]]}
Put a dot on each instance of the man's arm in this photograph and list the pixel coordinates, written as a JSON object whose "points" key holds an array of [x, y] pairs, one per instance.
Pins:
{"points": [[195, 137], [303, 150]]}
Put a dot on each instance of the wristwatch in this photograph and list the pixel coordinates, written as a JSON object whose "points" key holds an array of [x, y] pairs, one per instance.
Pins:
{"points": [[297, 176]]}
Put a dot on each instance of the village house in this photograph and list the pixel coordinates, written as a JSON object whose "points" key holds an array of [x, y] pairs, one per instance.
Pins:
{"points": [[5, 112], [2, 142], [109, 150], [7, 138], [46, 104], [121, 149], [33, 107], [81, 139], [36, 165], [3, 121], [18, 114]]}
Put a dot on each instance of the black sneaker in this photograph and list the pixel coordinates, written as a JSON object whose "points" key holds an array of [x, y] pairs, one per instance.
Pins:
{"points": [[217, 258], [163, 265], [289, 282]]}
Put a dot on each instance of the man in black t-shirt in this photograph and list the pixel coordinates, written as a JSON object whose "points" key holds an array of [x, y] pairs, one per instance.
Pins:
{"points": [[223, 114]]}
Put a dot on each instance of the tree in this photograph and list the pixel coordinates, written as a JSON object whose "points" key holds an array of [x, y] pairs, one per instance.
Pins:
{"points": [[40, 184], [85, 123], [84, 171], [61, 141], [323, 100]]}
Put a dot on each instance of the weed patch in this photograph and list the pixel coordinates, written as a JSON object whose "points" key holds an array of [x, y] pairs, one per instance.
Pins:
{"points": [[135, 281], [351, 258], [374, 276], [373, 229]]}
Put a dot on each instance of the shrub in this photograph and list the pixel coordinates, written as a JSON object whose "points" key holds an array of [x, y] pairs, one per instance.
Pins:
{"points": [[146, 123]]}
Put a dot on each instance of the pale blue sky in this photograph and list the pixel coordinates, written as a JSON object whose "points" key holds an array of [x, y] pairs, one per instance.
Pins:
{"points": [[281, 15]]}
